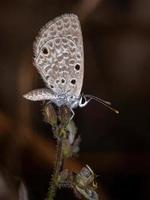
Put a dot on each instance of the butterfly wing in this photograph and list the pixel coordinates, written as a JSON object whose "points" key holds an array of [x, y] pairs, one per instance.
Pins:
{"points": [[39, 95], [59, 55]]}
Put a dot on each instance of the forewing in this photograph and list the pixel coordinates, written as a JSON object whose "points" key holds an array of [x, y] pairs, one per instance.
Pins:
{"points": [[39, 95], [59, 55]]}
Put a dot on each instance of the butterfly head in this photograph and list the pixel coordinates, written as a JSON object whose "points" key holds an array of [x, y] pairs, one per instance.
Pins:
{"points": [[83, 101]]}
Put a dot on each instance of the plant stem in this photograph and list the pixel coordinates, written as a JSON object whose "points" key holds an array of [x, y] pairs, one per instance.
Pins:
{"points": [[57, 168]]}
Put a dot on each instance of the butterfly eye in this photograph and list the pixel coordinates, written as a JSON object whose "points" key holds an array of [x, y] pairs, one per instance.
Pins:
{"points": [[45, 51]]}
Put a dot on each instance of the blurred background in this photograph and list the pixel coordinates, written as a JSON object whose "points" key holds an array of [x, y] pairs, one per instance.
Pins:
{"points": [[116, 37]]}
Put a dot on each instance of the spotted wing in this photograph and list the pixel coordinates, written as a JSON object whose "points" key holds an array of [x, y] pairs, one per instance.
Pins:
{"points": [[39, 95], [59, 55]]}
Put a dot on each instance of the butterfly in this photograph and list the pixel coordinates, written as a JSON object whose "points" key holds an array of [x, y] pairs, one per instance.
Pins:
{"points": [[59, 58]]}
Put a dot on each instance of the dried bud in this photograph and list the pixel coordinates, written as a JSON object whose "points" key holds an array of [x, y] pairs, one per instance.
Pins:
{"points": [[85, 177], [50, 114], [88, 193], [84, 183], [65, 114]]}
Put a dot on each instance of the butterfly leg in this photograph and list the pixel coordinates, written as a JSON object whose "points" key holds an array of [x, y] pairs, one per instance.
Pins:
{"points": [[72, 112]]}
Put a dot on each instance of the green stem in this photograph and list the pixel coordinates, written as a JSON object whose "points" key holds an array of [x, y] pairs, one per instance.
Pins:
{"points": [[57, 168]]}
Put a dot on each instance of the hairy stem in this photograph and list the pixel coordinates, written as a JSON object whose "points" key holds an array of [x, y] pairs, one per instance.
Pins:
{"points": [[57, 168]]}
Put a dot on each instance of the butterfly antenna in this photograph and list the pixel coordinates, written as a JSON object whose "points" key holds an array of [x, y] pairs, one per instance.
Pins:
{"points": [[104, 102]]}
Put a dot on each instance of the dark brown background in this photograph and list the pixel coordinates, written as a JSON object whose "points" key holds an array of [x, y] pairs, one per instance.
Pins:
{"points": [[116, 37]]}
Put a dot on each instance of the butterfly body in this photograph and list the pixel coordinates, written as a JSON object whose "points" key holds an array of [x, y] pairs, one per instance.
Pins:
{"points": [[46, 94]]}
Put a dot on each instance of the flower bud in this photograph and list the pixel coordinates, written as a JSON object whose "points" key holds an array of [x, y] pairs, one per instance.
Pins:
{"points": [[65, 114], [50, 114]]}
